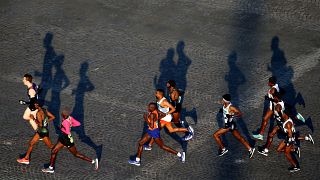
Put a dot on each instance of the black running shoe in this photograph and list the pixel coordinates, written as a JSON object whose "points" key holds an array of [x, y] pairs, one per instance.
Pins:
{"points": [[222, 151], [262, 151], [294, 169]]}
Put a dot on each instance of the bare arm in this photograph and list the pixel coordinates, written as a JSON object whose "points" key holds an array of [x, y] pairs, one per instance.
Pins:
{"points": [[236, 111], [152, 119], [165, 103], [51, 116], [32, 93]]}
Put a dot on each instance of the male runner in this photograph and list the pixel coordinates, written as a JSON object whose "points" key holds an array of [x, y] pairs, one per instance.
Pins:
{"points": [[165, 107], [66, 140], [43, 117], [229, 112], [153, 132], [286, 146], [278, 113], [274, 87], [32, 94], [176, 100]]}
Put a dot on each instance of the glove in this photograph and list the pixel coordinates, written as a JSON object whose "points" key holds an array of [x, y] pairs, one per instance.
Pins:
{"points": [[22, 102]]}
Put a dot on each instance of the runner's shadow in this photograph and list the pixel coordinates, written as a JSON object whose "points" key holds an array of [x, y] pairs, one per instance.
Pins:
{"points": [[59, 83], [235, 78], [284, 74], [46, 74], [84, 86]]}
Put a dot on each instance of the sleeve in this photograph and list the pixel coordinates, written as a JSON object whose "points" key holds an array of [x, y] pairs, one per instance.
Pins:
{"points": [[74, 122], [66, 127]]}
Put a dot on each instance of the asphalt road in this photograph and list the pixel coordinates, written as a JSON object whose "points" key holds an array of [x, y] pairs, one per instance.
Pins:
{"points": [[104, 59]]}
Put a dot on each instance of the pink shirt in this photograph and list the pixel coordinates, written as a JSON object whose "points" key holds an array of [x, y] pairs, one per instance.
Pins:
{"points": [[68, 123]]}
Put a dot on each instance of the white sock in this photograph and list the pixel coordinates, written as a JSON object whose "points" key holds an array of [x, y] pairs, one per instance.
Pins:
{"points": [[306, 138], [137, 159], [179, 154], [93, 161], [223, 149], [266, 150], [50, 167], [250, 149]]}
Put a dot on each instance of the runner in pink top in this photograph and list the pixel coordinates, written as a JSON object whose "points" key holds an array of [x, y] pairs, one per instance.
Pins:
{"points": [[66, 140]]}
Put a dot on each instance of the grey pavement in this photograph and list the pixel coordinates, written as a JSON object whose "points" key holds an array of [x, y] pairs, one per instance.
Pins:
{"points": [[104, 59]]}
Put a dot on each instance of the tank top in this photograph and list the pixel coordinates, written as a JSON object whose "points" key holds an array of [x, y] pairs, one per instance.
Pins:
{"points": [[292, 127], [227, 112], [162, 109], [276, 86], [35, 88], [277, 116], [155, 125]]}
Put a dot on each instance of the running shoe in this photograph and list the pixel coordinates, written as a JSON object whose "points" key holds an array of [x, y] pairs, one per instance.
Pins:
{"points": [[23, 161], [183, 157], [294, 169], [258, 136], [134, 162], [310, 138], [297, 151], [300, 117], [191, 130], [147, 148], [262, 151], [251, 152], [222, 151], [96, 164], [187, 137], [48, 170]]}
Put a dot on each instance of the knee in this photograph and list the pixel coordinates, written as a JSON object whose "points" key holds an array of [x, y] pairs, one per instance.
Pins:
{"points": [[215, 135], [54, 151], [26, 117], [141, 143]]}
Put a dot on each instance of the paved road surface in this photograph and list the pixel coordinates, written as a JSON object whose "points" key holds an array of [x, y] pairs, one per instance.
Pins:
{"points": [[104, 58]]}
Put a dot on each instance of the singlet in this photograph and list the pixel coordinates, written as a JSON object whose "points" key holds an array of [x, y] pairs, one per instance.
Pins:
{"points": [[292, 127], [160, 108], [225, 113], [155, 125], [35, 88], [276, 86], [275, 112]]}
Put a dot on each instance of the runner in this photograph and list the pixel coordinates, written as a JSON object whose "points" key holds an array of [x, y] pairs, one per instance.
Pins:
{"points": [[274, 87], [33, 97], [176, 100], [287, 145], [229, 112], [43, 117], [165, 107], [279, 113], [66, 140], [153, 132]]}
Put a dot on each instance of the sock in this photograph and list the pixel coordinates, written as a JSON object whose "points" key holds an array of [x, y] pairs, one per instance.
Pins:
{"points": [[266, 150], [250, 149], [306, 138], [93, 161], [137, 159], [223, 149], [179, 154], [50, 167]]}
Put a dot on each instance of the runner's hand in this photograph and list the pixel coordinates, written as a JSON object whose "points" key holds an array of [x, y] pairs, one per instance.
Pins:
{"points": [[22, 102]]}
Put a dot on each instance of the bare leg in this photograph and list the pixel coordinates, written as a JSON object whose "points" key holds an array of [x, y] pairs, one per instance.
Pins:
{"points": [[47, 141], [74, 151], [176, 119], [143, 140], [270, 137], [172, 130], [217, 135], [281, 146], [237, 135], [287, 152], [32, 142], [164, 147], [26, 116], [265, 120], [54, 153]]}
